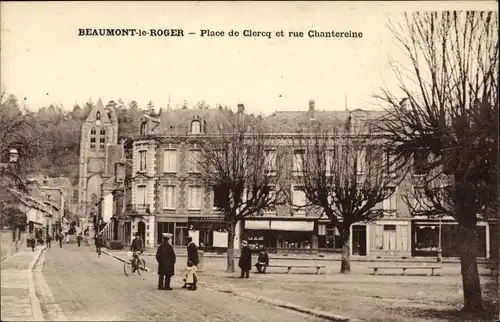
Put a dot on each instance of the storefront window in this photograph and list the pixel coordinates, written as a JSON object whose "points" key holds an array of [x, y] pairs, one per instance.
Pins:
{"points": [[294, 240], [181, 232], [426, 238]]}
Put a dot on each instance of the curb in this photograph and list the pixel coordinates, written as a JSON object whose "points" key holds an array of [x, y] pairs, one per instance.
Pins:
{"points": [[261, 299], [36, 308], [289, 306]]}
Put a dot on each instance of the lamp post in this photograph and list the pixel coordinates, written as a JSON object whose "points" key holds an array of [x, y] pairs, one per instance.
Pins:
{"points": [[13, 156]]}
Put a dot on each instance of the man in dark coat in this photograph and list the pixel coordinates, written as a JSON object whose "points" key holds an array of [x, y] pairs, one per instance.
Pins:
{"points": [[49, 240], [245, 262], [192, 256], [262, 261], [165, 256]]}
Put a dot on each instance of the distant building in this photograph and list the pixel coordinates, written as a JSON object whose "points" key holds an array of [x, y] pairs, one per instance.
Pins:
{"points": [[99, 130]]}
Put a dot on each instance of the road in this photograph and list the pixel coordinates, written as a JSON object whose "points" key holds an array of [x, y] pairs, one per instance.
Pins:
{"points": [[85, 287]]}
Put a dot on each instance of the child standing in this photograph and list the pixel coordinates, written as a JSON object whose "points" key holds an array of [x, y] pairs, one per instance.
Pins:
{"points": [[190, 277]]}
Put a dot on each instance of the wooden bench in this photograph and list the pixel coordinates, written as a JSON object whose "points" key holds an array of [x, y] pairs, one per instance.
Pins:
{"points": [[404, 268], [289, 267]]}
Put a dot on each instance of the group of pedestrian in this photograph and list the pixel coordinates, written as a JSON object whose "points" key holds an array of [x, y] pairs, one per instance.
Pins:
{"points": [[165, 256], [245, 262]]}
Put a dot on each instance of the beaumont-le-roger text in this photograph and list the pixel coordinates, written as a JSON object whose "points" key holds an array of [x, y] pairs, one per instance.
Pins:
{"points": [[128, 32]]}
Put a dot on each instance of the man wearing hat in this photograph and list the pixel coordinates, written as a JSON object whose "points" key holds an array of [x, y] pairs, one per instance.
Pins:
{"points": [[245, 262], [165, 256], [136, 248]]}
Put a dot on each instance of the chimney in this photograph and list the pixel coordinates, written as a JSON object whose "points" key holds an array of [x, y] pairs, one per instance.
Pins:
{"points": [[311, 109], [241, 108]]}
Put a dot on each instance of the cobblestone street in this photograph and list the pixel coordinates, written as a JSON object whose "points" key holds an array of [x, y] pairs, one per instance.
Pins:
{"points": [[89, 288]]}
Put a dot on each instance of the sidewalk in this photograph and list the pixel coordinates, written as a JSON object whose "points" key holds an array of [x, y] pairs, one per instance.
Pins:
{"points": [[18, 298], [314, 257]]}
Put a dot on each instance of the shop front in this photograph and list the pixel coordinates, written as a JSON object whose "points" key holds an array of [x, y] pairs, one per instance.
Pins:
{"points": [[202, 230], [177, 226], [430, 235], [280, 235]]}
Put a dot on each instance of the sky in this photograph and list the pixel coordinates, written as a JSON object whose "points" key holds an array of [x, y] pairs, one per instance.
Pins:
{"points": [[45, 61]]}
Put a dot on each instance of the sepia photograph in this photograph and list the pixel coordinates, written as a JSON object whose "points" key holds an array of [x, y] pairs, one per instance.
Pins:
{"points": [[249, 161]]}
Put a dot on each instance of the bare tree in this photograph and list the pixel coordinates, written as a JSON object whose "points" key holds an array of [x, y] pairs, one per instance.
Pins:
{"points": [[343, 174], [234, 163], [448, 118]]}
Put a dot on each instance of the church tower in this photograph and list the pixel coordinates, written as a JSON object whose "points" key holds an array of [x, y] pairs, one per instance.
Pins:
{"points": [[98, 130]]}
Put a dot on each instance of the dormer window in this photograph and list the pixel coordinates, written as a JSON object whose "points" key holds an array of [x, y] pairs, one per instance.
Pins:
{"points": [[195, 127], [98, 116], [144, 128]]}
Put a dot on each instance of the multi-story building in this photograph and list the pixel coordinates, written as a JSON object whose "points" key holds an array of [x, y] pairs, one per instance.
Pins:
{"points": [[167, 195]]}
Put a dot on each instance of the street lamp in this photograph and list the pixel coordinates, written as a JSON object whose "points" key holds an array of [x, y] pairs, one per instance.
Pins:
{"points": [[13, 155]]}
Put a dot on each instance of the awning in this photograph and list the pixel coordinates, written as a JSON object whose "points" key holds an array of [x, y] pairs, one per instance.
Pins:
{"points": [[257, 224], [292, 225], [160, 218]]}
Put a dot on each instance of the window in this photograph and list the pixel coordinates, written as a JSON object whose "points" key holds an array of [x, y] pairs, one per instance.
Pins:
{"points": [[102, 142], [98, 116], [361, 161], [420, 162], [168, 197], [389, 237], [142, 161], [92, 138], [144, 128], [103, 131], [170, 161], [390, 204], [220, 196], [299, 197], [195, 127], [421, 202], [270, 163], [194, 157], [330, 160], [390, 163], [272, 197], [194, 197], [298, 159], [141, 195]]}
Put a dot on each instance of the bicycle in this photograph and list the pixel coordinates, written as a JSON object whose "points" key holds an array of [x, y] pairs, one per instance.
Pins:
{"points": [[135, 262]]}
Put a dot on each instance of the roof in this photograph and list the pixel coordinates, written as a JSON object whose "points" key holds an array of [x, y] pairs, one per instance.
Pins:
{"points": [[177, 121], [107, 113], [293, 121]]}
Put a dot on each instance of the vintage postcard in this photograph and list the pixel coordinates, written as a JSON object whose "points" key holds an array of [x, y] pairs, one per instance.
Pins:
{"points": [[249, 161]]}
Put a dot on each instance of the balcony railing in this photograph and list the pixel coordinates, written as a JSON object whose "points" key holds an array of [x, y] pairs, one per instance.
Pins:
{"points": [[141, 209]]}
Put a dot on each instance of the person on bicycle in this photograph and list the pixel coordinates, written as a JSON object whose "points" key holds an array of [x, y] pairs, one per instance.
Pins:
{"points": [[98, 243], [136, 248]]}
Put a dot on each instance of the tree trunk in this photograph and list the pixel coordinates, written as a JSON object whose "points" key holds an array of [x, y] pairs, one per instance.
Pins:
{"points": [[498, 268], [468, 263], [345, 261], [230, 248]]}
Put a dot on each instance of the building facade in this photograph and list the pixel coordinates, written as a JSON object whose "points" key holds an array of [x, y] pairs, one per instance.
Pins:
{"points": [[165, 194]]}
